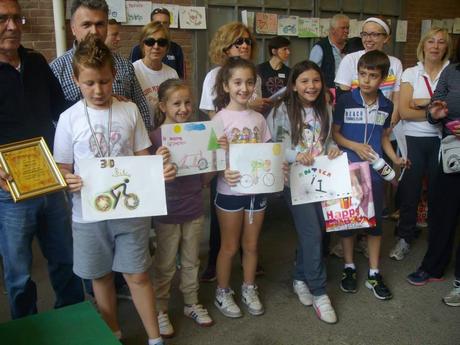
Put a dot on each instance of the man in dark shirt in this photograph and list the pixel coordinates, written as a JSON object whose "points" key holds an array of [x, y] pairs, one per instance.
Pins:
{"points": [[31, 99], [174, 57]]}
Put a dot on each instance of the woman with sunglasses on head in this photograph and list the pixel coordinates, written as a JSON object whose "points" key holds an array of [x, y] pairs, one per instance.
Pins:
{"points": [[231, 40], [151, 71]]}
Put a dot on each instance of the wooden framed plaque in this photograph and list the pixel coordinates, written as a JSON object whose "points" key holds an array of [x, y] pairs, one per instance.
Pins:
{"points": [[32, 167]]}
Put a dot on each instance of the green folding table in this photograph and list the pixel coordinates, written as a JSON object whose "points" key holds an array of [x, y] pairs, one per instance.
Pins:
{"points": [[78, 324]]}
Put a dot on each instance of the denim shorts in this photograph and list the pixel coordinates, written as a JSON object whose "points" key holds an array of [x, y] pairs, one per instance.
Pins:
{"points": [[119, 245], [236, 203]]}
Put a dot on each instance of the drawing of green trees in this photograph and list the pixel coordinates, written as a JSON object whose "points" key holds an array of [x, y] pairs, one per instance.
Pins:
{"points": [[213, 145]]}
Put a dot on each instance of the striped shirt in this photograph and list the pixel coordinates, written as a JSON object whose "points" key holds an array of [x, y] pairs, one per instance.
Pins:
{"points": [[125, 83]]}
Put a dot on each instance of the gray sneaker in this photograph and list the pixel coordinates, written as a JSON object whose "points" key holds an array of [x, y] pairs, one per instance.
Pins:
{"points": [[226, 303], [250, 297], [400, 250], [302, 291], [453, 298]]}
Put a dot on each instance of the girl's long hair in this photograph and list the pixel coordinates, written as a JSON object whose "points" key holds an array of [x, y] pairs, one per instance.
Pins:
{"points": [[224, 75], [295, 107], [164, 91]]}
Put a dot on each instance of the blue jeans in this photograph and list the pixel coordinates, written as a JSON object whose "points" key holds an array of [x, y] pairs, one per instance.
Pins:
{"points": [[48, 218], [309, 266]]}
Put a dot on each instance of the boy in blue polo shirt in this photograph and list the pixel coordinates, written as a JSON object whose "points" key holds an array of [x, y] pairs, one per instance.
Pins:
{"points": [[362, 128]]}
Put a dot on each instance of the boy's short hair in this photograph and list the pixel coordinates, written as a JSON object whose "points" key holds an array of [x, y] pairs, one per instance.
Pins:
{"points": [[277, 42], [159, 10], [91, 52], [113, 22], [376, 60]]}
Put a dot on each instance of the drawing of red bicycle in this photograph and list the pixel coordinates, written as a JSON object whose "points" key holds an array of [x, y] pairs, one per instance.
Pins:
{"points": [[109, 200], [192, 160], [267, 178]]}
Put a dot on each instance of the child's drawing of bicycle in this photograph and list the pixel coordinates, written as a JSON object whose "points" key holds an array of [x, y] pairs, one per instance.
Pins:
{"points": [[192, 160], [109, 200], [267, 178]]}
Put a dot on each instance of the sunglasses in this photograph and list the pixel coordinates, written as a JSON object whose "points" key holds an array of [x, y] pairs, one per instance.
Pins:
{"points": [[241, 40], [150, 42], [161, 10]]}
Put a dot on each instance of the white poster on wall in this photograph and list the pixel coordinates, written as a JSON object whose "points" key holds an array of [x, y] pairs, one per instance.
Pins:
{"points": [[426, 26], [456, 28], [138, 12], [324, 24], [288, 25], [117, 10], [192, 17], [401, 31]]}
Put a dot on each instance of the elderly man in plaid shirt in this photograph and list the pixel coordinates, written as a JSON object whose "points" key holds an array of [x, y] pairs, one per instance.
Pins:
{"points": [[91, 17]]}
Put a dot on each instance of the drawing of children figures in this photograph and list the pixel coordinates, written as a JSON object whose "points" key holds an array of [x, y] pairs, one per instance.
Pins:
{"points": [[255, 135], [245, 135], [235, 136]]}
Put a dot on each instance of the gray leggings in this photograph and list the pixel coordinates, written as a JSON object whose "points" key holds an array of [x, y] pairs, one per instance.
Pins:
{"points": [[310, 266]]}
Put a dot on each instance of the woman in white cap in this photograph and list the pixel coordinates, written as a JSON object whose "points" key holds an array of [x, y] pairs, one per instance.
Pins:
{"points": [[375, 34]]}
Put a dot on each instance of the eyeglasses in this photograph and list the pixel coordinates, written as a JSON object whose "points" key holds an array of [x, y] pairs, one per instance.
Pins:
{"points": [[241, 40], [150, 42], [373, 35], [16, 18]]}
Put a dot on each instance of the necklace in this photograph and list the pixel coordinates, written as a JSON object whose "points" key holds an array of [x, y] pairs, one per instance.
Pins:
{"points": [[93, 133]]}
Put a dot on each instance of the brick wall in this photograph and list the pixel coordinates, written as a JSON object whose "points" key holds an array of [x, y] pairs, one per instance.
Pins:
{"points": [[425, 9], [38, 33], [39, 30]]}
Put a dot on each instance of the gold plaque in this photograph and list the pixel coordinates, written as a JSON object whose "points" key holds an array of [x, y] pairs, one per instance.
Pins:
{"points": [[32, 168]]}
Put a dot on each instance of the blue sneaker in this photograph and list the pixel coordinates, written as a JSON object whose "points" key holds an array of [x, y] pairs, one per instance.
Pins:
{"points": [[420, 278]]}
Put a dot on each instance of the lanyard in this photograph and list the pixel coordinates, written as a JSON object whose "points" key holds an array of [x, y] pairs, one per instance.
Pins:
{"points": [[428, 86], [93, 133], [366, 119]]}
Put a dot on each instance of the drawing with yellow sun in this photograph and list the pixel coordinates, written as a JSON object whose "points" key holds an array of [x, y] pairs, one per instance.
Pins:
{"points": [[276, 149], [177, 129]]}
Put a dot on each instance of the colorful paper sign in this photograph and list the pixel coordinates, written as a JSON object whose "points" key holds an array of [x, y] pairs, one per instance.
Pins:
{"points": [[193, 146], [326, 179], [260, 167], [288, 25], [308, 27], [122, 187], [266, 23], [356, 211]]}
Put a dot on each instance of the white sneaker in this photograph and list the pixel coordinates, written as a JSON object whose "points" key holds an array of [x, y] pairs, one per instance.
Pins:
{"points": [[166, 328], [302, 291], [400, 250], [250, 297], [324, 309], [198, 313], [226, 303]]}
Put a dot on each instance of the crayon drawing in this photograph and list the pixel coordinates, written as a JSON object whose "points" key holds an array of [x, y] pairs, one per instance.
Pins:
{"points": [[193, 146], [266, 23], [287, 25], [192, 17], [326, 179], [138, 12], [308, 27], [122, 187], [260, 167]]}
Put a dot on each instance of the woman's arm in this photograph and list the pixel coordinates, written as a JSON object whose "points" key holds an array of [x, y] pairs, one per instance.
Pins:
{"points": [[406, 111]]}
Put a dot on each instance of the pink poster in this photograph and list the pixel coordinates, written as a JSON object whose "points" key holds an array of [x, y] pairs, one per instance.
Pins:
{"points": [[356, 211]]}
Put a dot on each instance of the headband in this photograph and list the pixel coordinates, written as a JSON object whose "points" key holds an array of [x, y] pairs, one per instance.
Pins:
{"points": [[379, 21]]}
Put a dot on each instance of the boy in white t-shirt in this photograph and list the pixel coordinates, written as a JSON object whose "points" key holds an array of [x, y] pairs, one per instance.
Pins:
{"points": [[101, 126]]}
